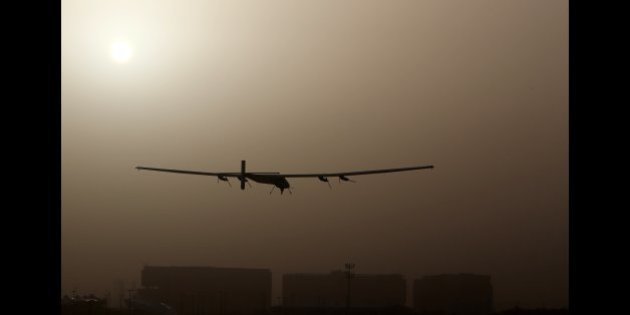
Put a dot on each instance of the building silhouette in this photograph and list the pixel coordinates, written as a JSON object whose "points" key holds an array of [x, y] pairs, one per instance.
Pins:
{"points": [[458, 294], [331, 290], [207, 290]]}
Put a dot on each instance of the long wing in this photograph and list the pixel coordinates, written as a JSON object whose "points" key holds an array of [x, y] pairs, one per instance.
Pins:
{"points": [[276, 174], [226, 174], [354, 173]]}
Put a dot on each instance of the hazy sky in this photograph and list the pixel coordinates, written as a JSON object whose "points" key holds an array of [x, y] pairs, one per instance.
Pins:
{"points": [[477, 88]]}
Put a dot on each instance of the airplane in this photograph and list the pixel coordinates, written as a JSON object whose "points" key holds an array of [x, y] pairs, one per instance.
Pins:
{"points": [[280, 180]]}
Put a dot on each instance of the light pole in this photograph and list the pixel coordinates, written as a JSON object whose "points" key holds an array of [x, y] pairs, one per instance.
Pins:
{"points": [[349, 276]]}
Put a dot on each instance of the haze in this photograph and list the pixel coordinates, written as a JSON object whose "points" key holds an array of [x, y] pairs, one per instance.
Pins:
{"points": [[477, 88]]}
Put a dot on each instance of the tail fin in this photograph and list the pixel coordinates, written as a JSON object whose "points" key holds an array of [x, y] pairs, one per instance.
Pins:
{"points": [[242, 174]]}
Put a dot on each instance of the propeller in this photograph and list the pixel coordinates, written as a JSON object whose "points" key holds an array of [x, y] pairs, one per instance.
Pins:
{"points": [[223, 178], [325, 179], [345, 179]]}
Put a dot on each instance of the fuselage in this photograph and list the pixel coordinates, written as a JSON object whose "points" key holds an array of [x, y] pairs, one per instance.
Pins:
{"points": [[277, 181]]}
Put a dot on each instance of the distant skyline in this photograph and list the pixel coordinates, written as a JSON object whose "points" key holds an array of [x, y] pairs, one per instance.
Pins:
{"points": [[477, 88]]}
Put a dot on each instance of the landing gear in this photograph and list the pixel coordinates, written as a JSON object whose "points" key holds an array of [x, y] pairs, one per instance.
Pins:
{"points": [[281, 190]]}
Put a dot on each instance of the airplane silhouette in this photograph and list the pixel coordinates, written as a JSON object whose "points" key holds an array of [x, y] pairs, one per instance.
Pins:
{"points": [[280, 180]]}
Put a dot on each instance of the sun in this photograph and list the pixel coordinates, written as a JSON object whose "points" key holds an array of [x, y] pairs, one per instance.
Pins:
{"points": [[121, 52]]}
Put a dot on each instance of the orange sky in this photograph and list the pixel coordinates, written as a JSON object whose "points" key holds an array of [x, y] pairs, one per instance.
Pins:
{"points": [[477, 88]]}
